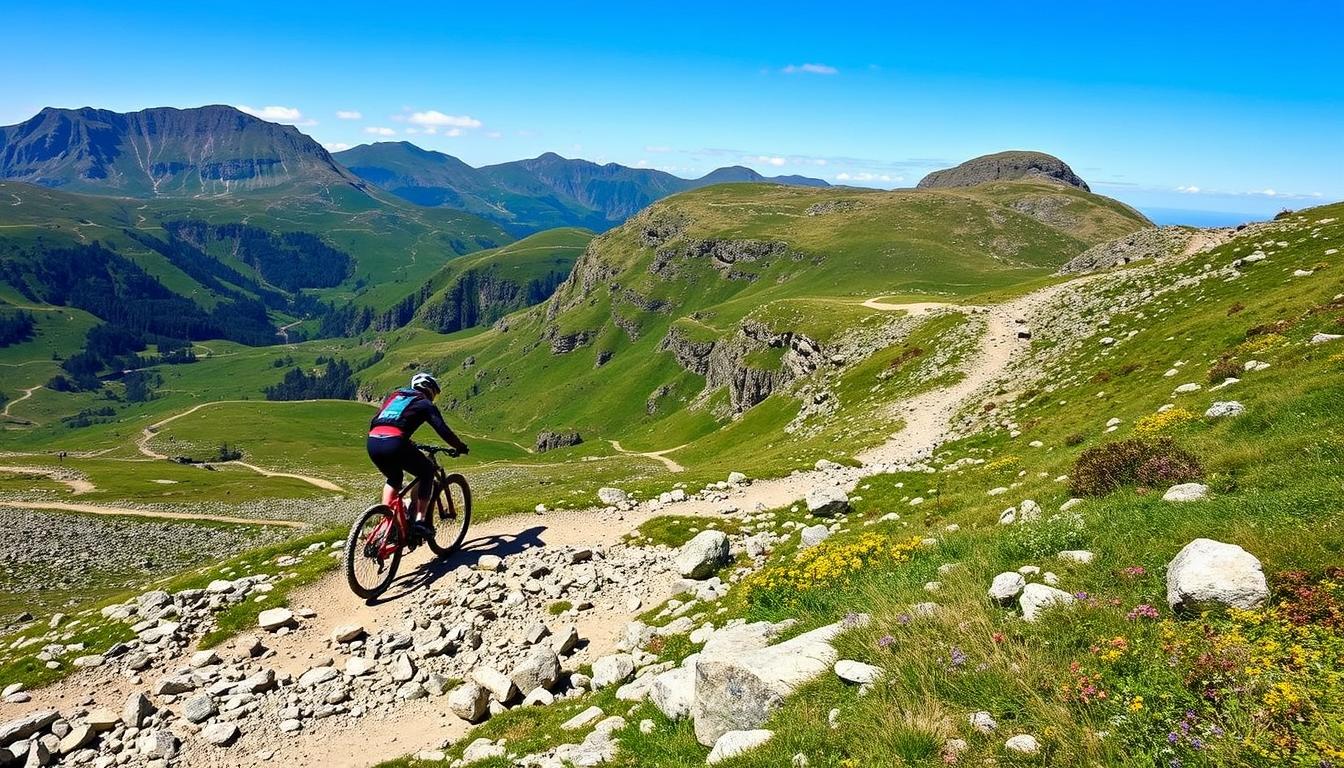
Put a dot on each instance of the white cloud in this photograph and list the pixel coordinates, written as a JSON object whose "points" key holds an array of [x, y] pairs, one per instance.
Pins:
{"points": [[1189, 190], [436, 118], [866, 176], [278, 114], [769, 160], [453, 132], [335, 146], [1266, 192], [349, 114], [810, 69], [380, 131]]}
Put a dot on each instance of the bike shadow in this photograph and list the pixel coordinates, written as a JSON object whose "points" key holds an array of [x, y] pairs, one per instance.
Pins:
{"points": [[471, 552]]}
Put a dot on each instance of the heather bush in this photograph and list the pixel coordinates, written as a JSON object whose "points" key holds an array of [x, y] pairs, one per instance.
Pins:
{"points": [[1103, 469]]}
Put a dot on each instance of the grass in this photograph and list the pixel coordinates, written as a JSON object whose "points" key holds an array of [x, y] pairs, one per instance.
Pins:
{"points": [[1224, 688]]}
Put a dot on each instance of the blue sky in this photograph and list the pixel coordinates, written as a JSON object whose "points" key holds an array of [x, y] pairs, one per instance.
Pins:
{"points": [[1231, 107]]}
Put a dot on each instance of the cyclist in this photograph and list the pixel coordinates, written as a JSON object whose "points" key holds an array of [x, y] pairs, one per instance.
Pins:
{"points": [[390, 445]]}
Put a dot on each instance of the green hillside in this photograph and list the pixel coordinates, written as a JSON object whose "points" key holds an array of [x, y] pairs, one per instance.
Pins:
{"points": [[701, 263]]}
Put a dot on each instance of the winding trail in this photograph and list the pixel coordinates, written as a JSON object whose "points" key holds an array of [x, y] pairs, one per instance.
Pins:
{"points": [[98, 509], [27, 393], [929, 419], [148, 433], [661, 456]]}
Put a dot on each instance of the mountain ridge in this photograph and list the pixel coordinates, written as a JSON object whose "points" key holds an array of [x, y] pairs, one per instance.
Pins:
{"points": [[531, 194], [164, 151]]}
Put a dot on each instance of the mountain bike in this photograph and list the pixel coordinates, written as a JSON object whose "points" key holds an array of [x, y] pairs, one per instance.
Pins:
{"points": [[378, 538]]}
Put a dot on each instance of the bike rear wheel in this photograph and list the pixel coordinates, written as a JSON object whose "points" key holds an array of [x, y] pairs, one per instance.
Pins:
{"points": [[450, 513], [373, 552]]}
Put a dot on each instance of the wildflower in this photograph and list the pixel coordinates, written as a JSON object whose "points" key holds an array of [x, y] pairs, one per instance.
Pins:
{"points": [[1142, 611], [885, 641], [904, 618], [1136, 704], [999, 638], [851, 620], [1080, 595], [958, 657], [1134, 571]]}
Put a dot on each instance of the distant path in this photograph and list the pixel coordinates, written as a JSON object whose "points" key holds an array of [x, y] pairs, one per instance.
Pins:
{"points": [[671, 465], [148, 433], [98, 509], [27, 393], [77, 484], [917, 308]]}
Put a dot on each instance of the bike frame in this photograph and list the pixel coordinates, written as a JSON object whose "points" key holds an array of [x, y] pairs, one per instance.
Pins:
{"points": [[400, 515]]}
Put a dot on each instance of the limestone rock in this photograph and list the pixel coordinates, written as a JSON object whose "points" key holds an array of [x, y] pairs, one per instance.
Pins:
{"points": [[700, 557], [1036, 598], [734, 743], [1209, 574]]}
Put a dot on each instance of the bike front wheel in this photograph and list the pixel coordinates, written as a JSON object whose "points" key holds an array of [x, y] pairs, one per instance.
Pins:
{"points": [[450, 514], [373, 552]]}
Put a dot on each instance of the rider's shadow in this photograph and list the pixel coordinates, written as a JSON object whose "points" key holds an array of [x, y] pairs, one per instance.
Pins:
{"points": [[473, 549]]}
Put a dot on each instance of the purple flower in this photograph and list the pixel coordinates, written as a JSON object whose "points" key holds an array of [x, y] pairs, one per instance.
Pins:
{"points": [[1173, 737], [958, 657], [1197, 743], [852, 620], [904, 618], [885, 641], [1080, 595]]}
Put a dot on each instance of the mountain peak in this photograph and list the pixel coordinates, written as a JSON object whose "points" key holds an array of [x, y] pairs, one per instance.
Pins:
{"points": [[163, 151], [1006, 166]]}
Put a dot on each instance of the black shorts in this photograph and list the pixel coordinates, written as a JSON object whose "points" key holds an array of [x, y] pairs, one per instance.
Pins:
{"points": [[396, 455]]}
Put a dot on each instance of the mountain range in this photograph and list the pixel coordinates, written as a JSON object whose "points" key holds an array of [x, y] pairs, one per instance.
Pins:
{"points": [[220, 151], [526, 196]]}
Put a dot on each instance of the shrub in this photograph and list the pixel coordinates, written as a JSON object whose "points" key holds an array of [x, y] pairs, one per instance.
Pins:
{"points": [[1225, 368], [1041, 538], [1103, 469], [1076, 438]]}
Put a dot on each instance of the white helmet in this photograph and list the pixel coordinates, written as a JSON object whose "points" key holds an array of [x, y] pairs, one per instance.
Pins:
{"points": [[425, 382]]}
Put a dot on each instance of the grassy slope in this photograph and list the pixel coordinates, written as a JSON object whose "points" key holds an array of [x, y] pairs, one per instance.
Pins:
{"points": [[1275, 474], [906, 242], [396, 246]]}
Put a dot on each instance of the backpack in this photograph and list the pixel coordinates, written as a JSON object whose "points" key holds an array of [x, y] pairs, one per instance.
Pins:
{"points": [[393, 412]]}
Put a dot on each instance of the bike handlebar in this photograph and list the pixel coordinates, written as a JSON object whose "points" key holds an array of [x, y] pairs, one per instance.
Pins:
{"points": [[453, 452]]}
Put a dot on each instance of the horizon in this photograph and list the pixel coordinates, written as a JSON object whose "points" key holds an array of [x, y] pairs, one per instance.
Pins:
{"points": [[1146, 113]]}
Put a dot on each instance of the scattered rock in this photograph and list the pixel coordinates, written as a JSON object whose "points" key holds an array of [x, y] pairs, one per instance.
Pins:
{"points": [[700, 557], [857, 672], [734, 743], [1023, 744], [1186, 492], [1006, 587], [827, 501], [1209, 574], [1036, 598], [273, 619]]}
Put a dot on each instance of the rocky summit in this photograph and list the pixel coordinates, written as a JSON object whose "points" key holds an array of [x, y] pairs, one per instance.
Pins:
{"points": [[1005, 166]]}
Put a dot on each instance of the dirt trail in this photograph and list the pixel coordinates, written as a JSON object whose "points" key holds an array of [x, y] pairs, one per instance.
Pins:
{"points": [[27, 393], [148, 433], [425, 724], [77, 483], [660, 456], [98, 509]]}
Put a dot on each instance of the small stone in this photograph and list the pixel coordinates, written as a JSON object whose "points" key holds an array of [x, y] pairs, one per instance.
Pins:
{"points": [[983, 722], [273, 619], [1186, 492], [1023, 744], [734, 743], [220, 734], [1006, 587], [857, 672]]}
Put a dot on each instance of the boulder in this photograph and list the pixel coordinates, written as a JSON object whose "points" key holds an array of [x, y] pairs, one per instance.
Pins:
{"points": [[79, 737], [1023, 744], [482, 749], [494, 681], [539, 668], [1006, 587], [1210, 574], [857, 672], [136, 710], [469, 701], [734, 743], [827, 501], [612, 496], [220, 734], [1186, 492], [347, 633], [199, 708], [700, 557], [736, 691], [1224, 408], [814, 535], [673, 692], [613, 669], [274, 618], [1036, 598], [23, 727]]}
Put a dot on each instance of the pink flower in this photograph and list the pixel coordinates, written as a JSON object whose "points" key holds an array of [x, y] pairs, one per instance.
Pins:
{"points": [[1142, 611]]}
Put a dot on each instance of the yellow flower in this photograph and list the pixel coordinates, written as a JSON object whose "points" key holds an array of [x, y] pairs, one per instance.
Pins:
{"points": [[1136, 704]]}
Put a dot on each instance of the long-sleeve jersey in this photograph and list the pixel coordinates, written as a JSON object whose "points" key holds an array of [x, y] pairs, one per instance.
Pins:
{"points": [[416, 412]]}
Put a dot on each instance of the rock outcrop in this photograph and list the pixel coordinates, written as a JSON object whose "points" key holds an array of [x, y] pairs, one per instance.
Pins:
{"points": [[549, 440], [1005, 166]]}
